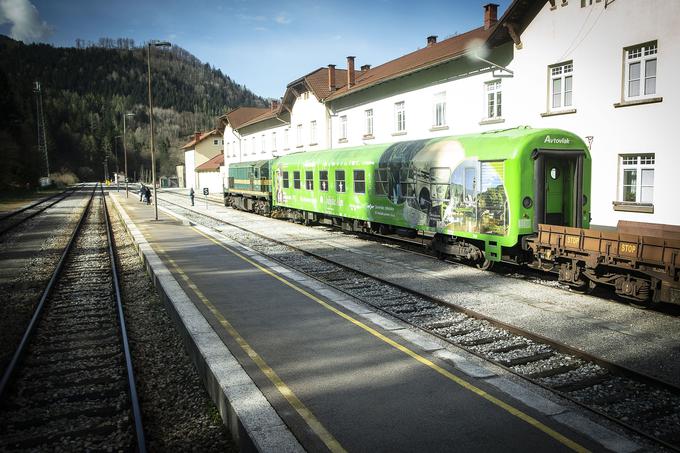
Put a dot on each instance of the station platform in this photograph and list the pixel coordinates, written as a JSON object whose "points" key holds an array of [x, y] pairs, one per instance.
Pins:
{"points": [[295, 366]]}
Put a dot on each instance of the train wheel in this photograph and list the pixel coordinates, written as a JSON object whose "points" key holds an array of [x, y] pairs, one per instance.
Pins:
{"points": [[484, 264]]}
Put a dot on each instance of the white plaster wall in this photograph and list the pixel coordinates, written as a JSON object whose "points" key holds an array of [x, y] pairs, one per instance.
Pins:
{"points": [[247, 153], [232, 145], [304, 112], [189, 168], [210, 179], [594, 38], [465, 110]]}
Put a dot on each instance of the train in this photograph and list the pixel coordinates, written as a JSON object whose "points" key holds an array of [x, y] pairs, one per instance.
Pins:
{"points": [[519, 195]]}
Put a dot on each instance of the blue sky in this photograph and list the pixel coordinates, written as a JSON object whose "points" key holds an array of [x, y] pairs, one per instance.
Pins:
{"points": [[261, 44]]}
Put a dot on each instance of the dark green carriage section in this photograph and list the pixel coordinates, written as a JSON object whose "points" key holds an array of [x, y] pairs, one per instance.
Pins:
{"points": [[492, 188], [250, 178]]}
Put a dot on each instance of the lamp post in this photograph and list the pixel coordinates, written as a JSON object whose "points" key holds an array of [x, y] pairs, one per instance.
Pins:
{"points": [[115, 147], [153, 161], [125, 152]]}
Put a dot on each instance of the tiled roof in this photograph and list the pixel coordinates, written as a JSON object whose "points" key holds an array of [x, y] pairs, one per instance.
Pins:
{"points": [[202, 137], [241, 115], [267, 114], [318, 81], [428, 56], [213, 164]]}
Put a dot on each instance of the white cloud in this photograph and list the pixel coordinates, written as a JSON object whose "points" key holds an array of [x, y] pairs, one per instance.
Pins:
{"points": [[282, 18], [25, 19]]}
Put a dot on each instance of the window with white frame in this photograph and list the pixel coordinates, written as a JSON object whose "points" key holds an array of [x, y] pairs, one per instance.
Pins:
{"points": [[439, 110], [561, 79], [368, 116], [399, 117], [299, 135], [343, 127], [262, 145], [312, 132], [252, 145], [493, 99], [640, 71], [233, 148], [637, 178], [285, 139], [273, 141]]}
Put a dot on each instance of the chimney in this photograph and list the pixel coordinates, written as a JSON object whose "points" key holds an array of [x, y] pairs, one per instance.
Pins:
{"points": [[365, 67], [275, 104], [331, 77], [490, 15], [350, 72], [197, 136], [431, 40]]}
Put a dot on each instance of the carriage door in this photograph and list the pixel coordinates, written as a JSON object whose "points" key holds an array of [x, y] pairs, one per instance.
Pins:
{"points": [[555, 175]]}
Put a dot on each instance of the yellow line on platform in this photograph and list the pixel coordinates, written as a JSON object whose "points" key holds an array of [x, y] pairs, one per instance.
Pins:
{"points": [[307, 415], [462, 382]]}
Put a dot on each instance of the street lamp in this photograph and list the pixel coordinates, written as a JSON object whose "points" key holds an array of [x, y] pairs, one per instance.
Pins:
{"points": [[125, 152], [153, 161], [115, 147]]}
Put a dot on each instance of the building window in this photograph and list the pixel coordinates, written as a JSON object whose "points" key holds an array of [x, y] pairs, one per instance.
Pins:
{"points": [[312, 132], [343, 127], [285, 139], [262, 145], [296, 180], [493, 99], [399, 117], [215, 142], [637, 178], [359, 181], [368, 115], [323, 180], [233, 148], [286, 181], [299, 135], [561, 85], [252, 145], [309, 180], [641, 70], [339, 180], [439, 110], [273, 141]]}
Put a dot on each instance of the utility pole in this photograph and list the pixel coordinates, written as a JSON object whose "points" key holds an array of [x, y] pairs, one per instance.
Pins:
{"points": [[40, 119]]}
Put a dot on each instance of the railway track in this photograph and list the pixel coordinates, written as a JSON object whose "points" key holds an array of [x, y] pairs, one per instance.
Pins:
{"points": [[11, 220], [70, 385], [642, 404]]}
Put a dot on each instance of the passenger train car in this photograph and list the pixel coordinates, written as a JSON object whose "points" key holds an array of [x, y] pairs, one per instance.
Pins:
{"points": [[520, 195]]}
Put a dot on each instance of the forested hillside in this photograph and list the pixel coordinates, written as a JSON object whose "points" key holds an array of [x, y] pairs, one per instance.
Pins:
{"points": [[86, 90]]}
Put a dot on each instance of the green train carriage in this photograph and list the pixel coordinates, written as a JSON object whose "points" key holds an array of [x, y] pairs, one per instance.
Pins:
{"points": [[478, 194]]}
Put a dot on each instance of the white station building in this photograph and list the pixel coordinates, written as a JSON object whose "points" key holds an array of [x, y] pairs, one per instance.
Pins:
{"points": [[603, 69]]}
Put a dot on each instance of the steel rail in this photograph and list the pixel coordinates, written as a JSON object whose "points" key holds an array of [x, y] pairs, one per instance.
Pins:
{"points": [[134, 400], [37, 313], [26, 208], [558, 346]]}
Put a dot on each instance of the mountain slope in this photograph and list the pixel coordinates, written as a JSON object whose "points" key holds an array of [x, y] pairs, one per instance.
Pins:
{"points": [[85, 92]]}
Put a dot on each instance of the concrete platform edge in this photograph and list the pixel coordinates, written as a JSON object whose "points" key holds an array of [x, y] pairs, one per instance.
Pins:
{"points": [[252, 421]]}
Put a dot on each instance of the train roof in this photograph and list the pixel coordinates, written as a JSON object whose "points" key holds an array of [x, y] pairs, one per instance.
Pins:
{"points": [[492, 145]]}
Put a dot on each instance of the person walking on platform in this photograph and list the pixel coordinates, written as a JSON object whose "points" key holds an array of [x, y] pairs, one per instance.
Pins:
{"points": [[147, 195], [191, 195], [142, 191]]}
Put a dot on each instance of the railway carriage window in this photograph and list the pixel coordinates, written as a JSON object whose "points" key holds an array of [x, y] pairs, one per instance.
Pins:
{"points": [[340, 180], [296, 180], [286, 181], [382, 181], [408, 183], [309, 180], [439, 187], [323, 180], [492, 212], [359, 181]]}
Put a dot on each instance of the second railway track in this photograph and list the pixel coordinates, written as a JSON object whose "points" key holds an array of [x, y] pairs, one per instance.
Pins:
{"points": [[644, 405], [69, 386]]}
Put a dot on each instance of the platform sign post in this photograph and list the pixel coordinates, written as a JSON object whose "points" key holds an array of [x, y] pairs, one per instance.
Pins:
{"points": [[205, 193]]}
